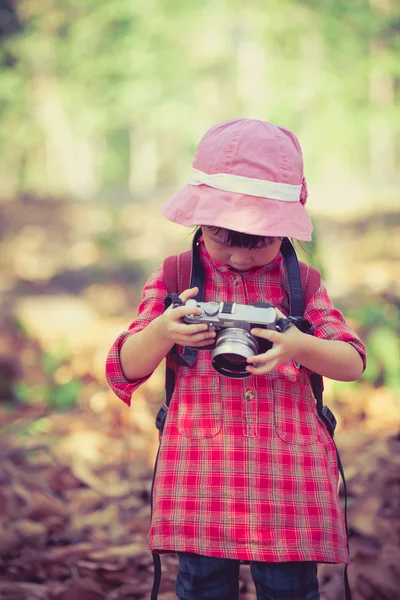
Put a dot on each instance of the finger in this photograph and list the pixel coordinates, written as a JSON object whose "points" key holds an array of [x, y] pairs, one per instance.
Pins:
{"points": [[266, 334], [180, 311], [203, 338], [198, 341], [280, 314], [265, 358], [261, 369], [189, 293], [188, 330]]}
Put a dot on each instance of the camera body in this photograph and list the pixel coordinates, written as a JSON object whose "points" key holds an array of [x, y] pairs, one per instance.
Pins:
{"points": [[232, 323], [222, 315]]}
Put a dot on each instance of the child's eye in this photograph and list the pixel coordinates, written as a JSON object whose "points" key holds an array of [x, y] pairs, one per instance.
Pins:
{"points": [[219, 241], [266, 242]]}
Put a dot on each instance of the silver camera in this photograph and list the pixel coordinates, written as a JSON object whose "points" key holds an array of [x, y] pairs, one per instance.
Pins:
{"points": [[233, 341]]}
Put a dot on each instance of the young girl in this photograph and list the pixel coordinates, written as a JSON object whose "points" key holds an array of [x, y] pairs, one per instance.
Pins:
{"points": [[246, 470]]}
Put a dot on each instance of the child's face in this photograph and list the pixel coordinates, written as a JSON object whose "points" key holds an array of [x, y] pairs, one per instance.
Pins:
{"points": [[240, 259]]}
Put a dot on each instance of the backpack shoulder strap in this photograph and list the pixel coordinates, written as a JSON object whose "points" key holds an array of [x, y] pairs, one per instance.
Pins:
{"points": [[310, 279], [176, 276], [176, 272]]}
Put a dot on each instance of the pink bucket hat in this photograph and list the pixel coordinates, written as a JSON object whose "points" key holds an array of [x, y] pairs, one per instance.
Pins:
{"points": [[247, 176]]}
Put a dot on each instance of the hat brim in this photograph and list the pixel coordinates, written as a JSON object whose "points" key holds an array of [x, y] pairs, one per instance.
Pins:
{"points": [[203, 205]]}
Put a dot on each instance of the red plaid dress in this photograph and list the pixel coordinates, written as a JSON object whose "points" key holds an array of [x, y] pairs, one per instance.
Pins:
{"points": [[246, 470]]}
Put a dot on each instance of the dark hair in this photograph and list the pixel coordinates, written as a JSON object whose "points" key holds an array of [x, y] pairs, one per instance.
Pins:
{"points": [[244, 240]]}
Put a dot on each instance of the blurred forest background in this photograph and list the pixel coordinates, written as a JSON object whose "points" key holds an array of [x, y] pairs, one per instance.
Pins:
{"points": [[102, 104]]}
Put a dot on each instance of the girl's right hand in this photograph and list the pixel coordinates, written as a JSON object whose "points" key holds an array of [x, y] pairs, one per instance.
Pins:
{"points": [[178, 332]]}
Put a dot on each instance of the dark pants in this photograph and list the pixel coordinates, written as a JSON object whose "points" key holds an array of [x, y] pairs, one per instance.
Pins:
{"points": [[209, 578]]}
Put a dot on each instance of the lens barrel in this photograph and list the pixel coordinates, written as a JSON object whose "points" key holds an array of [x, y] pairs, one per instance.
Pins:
{"points": [[232, 348]]}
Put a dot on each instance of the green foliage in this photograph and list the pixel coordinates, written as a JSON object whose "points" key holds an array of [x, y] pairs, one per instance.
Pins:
{"points": [[37, 427], [51, 361], [55, 395], [110, 73], [380, 324], [85, 85], [64, 395], [383, 356]]}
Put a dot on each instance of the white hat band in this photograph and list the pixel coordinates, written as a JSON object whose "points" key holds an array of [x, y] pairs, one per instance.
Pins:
{"points": [[247, 185]]}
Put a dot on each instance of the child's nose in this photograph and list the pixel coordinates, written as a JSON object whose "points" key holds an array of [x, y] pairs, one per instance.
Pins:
{"points": [[240, 257]]}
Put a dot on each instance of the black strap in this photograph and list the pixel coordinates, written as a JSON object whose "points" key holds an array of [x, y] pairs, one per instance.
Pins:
{"points": [[317, 387], [347, 590], [157, 576], [197, 279], [156, 557], [197, 275], [294, 278], [169, 389], [297, 310], [328, 419], [300, 322], [188, 358]]}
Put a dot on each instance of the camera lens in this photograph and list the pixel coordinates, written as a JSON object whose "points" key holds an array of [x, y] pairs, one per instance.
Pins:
{"points": [[232, 348], [235, 358]]}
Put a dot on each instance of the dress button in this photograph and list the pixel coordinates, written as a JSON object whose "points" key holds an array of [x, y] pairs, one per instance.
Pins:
{"points": [[249, 395]]}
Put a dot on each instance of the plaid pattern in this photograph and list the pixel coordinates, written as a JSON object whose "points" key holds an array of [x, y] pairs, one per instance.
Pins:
{"points": [[246, 470], [210, 578]]}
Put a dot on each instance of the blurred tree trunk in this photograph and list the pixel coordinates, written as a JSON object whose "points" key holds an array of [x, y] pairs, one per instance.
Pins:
{"points": [[382, 99], [253, 93], [143, 162], [10, 168], [69, 160]]}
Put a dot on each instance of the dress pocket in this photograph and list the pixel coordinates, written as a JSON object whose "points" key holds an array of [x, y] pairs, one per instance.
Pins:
{"points": [[295, 415], [199, 406]]}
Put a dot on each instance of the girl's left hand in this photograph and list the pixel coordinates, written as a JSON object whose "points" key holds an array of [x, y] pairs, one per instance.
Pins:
{"points": [[285, 347]]}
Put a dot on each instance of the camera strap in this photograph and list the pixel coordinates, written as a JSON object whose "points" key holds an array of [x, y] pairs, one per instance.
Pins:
{"points": [[300, 322]]}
